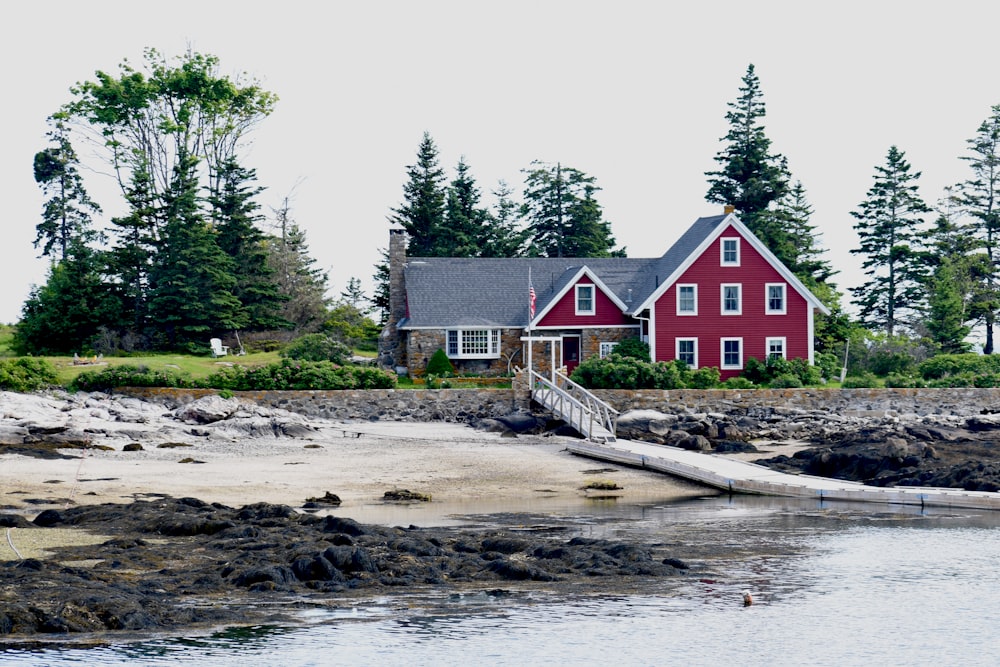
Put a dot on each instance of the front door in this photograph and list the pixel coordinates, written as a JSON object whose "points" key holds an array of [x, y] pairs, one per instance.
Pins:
{"points": [[570, 353]]}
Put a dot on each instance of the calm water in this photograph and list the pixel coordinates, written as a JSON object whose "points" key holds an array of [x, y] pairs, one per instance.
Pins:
{"points": [[833, 585]]}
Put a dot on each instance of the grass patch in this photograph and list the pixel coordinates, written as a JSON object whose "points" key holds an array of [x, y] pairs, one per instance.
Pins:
{"points": [[196, 367]]}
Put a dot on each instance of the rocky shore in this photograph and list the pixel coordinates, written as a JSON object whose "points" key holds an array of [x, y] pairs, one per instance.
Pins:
{"points": [[885, 450], [200, 514], [173, 563]]}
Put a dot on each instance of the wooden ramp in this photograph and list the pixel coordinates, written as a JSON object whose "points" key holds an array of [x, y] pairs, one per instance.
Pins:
{"points": [[733, 476], [594, 419]]}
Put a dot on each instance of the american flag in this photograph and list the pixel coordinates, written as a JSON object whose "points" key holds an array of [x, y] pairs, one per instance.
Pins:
{"points": [[531, 298]]}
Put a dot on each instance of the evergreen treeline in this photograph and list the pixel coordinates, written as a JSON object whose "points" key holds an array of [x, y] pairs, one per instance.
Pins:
{"points": [[188, 260]]}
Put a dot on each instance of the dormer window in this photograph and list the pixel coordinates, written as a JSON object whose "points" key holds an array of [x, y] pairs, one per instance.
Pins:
{"points": [[730, 252], [584, 299]]}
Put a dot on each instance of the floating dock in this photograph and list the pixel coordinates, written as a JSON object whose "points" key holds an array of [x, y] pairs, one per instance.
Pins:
{"points": [[734, 476]]}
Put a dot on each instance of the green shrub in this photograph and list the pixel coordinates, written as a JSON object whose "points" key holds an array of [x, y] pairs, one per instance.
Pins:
{"points": [[440, 365], [786, 381], [738, 382], [704, 378], [128, 375], [904, 381], [863, 381], [828, 365], [317, 347], [943, 365], [26, 374], [289, 374], [633, 347]]}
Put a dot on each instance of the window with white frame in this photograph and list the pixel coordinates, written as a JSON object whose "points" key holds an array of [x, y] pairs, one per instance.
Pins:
{"points": [[732, 353], [687, 351], [606, 348], [775, 294], [732, 301], [584, 299], [730, 252], [474, 343], [687, 299], [775, 348]]}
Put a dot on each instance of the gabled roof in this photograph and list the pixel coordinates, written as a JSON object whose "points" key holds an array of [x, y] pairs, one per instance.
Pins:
{"points": [[462, 292], [485, 292], [695, 241]]}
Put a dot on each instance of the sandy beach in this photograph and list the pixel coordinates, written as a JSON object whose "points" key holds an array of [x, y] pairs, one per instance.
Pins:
{"points": [[465, 471]]}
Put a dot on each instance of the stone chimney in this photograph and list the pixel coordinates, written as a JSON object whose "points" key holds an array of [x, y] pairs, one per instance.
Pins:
{"points": [[391, 344]]}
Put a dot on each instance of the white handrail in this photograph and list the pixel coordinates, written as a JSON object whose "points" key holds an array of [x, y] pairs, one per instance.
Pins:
{"points": [[567, 406]]}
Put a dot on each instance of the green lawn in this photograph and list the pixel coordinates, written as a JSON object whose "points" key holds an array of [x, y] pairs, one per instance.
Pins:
{"points": [[196, 367]]}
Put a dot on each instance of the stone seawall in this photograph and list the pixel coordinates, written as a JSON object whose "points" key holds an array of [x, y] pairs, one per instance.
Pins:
{"points": [[418, 405], [463, 405], [846, 402]]}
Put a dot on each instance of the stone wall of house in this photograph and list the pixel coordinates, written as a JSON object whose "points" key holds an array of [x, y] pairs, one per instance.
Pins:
{"points": [[464, 405], [422, 344]]}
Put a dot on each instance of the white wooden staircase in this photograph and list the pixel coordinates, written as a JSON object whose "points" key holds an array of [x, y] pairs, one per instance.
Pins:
{"points": [[593, 418]]}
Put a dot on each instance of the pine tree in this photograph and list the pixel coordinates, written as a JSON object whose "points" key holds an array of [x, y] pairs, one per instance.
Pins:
{"points": [[750, 177], [380, 299], [979, 197], [235, 214], [130, 259], [563, 216], [946, 312], [191, 278], [422, 214], [67, 214], [888, 225]]}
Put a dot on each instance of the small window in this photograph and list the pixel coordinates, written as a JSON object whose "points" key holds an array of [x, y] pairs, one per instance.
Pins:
{"points": [[775, 299], [731, 252], [687, 299], [607, 348], [775, 348], [584, 299], [687, 351], [474, 343], [732, 302], [732, 353]]}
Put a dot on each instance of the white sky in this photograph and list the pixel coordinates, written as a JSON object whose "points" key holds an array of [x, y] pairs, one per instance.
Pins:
{"points": [[632, 93]]}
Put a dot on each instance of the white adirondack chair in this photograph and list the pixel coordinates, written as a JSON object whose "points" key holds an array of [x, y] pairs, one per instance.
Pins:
{"points": [[218, 349]]}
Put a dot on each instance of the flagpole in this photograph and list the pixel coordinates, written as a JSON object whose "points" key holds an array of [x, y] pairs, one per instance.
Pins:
{"points": [[530, 351]]}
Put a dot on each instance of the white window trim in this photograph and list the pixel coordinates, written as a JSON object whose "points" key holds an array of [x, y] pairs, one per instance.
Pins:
{"points": [[722, 251], [677, 349], [784, 299], [722, 354], [605, 348], [687, 313], [767, 347], [739, 299], [492, 344], [593, 299]]}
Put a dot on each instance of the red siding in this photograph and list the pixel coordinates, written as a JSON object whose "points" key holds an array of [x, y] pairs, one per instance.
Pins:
{"points": [[709, 326], [606, 313]]}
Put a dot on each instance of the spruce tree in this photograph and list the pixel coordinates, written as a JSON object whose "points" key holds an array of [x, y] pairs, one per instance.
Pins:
{"points": [[889, 224], [422, 213], [750, 178], [465, 221], [563, 216], [68, 212], [192, 278], [979, 197], [235, 214], [505, 237]]}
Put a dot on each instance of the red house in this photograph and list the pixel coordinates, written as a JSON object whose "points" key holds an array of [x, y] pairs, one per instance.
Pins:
{"points": [[716, 298]]}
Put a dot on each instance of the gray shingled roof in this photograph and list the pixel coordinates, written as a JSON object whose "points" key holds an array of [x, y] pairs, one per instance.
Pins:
{"points": [[479, 292]]}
